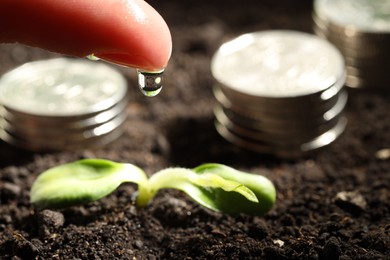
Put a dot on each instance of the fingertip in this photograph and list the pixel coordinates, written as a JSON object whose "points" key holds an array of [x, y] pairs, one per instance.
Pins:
{"points": [[129, 33], [148, 46]]}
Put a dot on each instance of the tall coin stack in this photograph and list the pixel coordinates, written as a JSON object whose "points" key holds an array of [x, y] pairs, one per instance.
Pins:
{"points": [[279, 92], [361, 31], [62, 104]]}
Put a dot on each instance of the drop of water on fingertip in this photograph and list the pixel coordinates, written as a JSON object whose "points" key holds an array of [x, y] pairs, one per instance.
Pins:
{"points": [[92, 57], [150, 83]]}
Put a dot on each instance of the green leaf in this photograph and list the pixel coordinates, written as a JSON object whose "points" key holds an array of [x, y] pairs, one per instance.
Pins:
{"points": [[215, 181], [81, 182], [214, 186], [232, 202], [219, 188]]}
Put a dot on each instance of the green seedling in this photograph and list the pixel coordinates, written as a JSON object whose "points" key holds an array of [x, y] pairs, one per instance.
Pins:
{"points": [[215, 186]]}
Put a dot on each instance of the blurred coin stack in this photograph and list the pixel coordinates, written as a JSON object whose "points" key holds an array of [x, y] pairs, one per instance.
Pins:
{"points": [[62, 104], [279, 92], [361, 31]]}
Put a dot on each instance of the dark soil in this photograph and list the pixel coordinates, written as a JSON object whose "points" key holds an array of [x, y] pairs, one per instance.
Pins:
{"points": [[331, 205]]}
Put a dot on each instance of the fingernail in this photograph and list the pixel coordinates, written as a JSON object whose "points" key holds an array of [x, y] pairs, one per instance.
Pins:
{"points": [[134, 61]]}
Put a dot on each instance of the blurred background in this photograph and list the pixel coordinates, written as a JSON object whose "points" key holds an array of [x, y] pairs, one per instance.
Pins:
{"points": [[176, 128]]}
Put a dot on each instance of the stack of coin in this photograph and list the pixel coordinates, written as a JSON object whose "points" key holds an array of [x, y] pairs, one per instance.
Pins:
{"points": [[361, 31], [62, 104], [279, 92]]}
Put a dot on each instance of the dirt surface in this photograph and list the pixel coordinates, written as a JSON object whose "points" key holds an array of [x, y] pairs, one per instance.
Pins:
{"points": [[332, 205]]}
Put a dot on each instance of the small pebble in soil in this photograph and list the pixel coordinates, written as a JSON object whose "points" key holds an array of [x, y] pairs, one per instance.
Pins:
{"points": [[139, 244], [278, 242], [258, 229], [331, 249], [52, 218], [352, 202], [49, 221], [9, 191], [383, 154]]}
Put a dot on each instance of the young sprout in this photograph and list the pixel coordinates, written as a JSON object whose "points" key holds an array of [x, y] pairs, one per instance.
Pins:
{"points": [[214, 186]]}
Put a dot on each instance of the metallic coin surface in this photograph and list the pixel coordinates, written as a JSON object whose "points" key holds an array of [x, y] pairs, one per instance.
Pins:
{"points": [[270, 136], [300, 107], [284, 151], [278, 94], [62, 104], [277, 64], [62, 87], [67, 123], [360, 29], [285, 126], [366, 15], [39, 146], [58, 135]]}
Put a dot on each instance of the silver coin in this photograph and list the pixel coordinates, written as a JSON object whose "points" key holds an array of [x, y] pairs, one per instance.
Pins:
{"points": [[62, 87], [67, 123], [277, 64], [363, 42], [365, 15], [264, 109], [268, 123], [68, 145], [60, 141], [366, 52], [282, 151], [357, 47], [272, 137], [284, 125], [98, 141], [61, 104], [277, 93], [58, 136], [360, 49], [348, 34], [273, 140], [300, 107], [359, 82]]}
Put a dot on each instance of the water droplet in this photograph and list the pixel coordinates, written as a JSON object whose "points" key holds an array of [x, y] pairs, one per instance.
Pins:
{"points": [[150, 82], [92, 57]]}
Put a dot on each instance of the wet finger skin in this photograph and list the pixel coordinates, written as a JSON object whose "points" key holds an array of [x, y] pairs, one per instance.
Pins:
{"points": [[126, 32]]}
